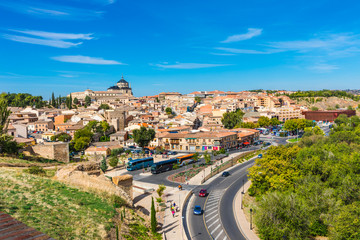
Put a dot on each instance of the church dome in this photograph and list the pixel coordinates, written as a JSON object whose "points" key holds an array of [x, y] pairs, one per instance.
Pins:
{"points": [[122, 80]]}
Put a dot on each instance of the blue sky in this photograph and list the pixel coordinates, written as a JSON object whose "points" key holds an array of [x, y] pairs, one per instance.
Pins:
{"points": [[70, 45]]}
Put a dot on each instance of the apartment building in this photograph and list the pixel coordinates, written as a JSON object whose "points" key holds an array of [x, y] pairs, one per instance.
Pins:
{"points": [[43, 126], [199, 141]]}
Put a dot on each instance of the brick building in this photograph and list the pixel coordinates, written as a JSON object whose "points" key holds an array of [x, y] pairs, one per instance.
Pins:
{"points": [[327, 115]]}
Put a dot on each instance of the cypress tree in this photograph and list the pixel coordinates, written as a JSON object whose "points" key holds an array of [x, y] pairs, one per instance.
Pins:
{"points": [[153, 216], [53, 99], [103, 165], [70, 102]]}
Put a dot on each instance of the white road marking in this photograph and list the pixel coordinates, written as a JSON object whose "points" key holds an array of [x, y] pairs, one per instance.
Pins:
{"points": [[207, 205], [219, 234], [211, 218], [208, 214], [215, 229], [213, 223], [214, 207]]}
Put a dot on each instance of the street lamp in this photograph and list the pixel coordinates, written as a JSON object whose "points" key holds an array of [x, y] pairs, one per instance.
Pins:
{"points": [[251, 218], [242, 197], [243, 187]]}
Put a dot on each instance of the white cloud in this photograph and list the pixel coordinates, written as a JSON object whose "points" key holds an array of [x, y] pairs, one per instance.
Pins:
{"points": [[46, 10], [44, 42], [322, 67], [86, 60], [244, 51], [326, 43], [35, 10], [51, 39], [53, 35], [252, 32], [223, 54], [190, 65]]}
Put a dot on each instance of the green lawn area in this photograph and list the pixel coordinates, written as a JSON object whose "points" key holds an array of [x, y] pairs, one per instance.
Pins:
{"points": [[294, 140], [25, 163], [54, 208]]}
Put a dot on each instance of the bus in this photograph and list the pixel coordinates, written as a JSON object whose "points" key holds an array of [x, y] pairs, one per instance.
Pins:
{"points": [[184, 157], [163, 166], [135, 164]]}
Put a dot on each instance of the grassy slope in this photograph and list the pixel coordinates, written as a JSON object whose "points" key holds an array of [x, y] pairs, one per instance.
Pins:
{"points": [[54, 208], [16, 162]]}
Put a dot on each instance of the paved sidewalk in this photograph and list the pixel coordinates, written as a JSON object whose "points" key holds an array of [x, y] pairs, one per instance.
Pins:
{"points": [[172, 228], [240, 217]]}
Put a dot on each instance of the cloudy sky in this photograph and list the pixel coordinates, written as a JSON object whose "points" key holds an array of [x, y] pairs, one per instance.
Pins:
{"points": [[63, 46]]}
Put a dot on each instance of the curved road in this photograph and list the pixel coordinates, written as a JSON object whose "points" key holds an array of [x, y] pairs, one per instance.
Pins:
{"points": [[216, 224], [218, 220]]}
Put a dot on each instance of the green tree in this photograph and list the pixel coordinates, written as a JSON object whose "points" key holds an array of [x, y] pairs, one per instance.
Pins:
{"points": [[264, 121], [275, 171], [76, 101], [153, 216], [143, 136], [290, 125], [4, 116], [113, 161], [105, 127], [62, 137], [168, 111], [70, 102], [103, 165], [82, 138], [8, 145], [53, 101], [345, 223], [207, 157], [313, 108], [104, 106], [198, 99], [231, 119], [160, 190], [196, 157], [341, 119], [274, 121], [350, 107], [87, 100], [247, 125]]}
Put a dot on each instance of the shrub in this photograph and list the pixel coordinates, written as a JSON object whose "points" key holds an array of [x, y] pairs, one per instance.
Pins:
{"points": [[36, 170], [118, 201], [113, 162]]}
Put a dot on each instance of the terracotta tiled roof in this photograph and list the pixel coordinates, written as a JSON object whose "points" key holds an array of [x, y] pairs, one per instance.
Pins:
{"points": [[10, 228]]}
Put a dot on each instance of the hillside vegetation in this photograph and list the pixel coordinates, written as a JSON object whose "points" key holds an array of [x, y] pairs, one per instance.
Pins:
{"points": [[311, 188], [64, 212]]}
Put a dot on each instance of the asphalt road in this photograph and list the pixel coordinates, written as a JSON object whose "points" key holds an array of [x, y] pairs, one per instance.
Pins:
{"points": [[161, 178], [213, 223], [218, 219]]}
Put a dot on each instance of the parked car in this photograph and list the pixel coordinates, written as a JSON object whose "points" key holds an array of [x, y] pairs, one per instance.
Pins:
{"points": [[172, 153], [197, 210], [260, 155], [267, 144], [202, 193], [225, 174]]}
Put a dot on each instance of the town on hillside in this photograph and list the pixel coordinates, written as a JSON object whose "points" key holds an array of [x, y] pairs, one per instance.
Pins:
{"points": [[155, 158]]}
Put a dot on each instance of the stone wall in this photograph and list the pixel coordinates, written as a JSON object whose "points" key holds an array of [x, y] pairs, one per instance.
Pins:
{"points": [[89, 177], [57, 151], [125, 182]]}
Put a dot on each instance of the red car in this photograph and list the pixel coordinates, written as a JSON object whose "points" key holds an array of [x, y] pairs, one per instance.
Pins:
{"points": [[202, 193]]}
